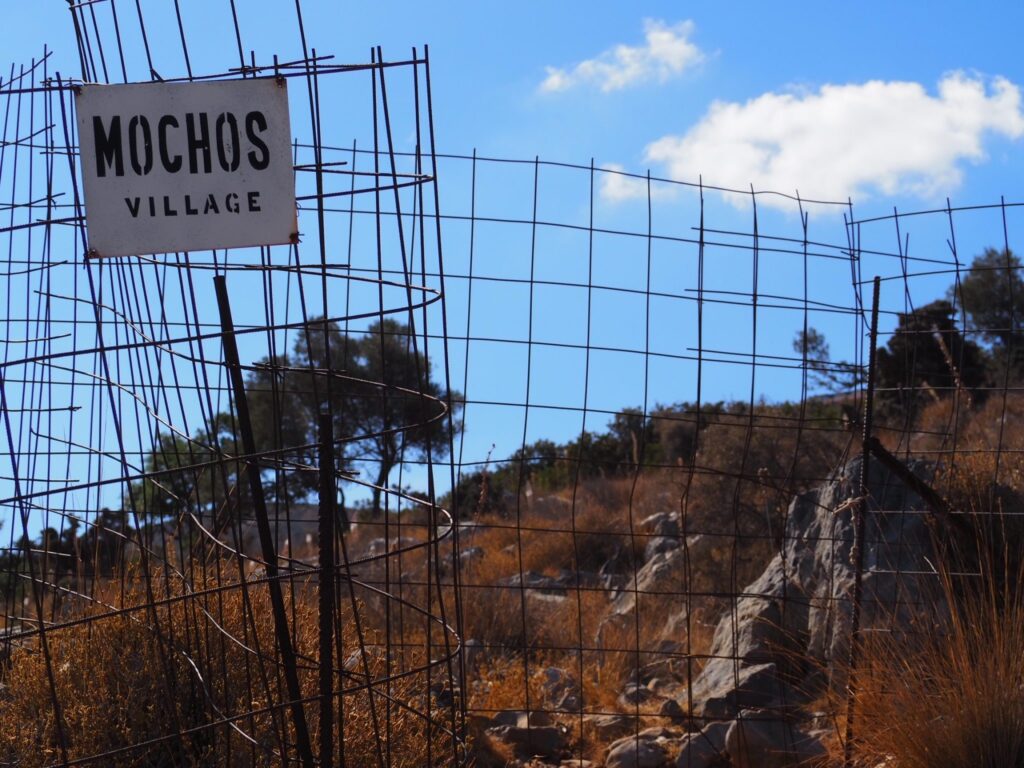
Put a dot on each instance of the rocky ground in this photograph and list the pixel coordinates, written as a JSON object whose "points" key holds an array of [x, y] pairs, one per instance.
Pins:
{"points": [[778, 650]]}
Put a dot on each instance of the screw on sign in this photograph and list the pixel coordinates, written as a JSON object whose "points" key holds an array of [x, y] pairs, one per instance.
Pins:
{"points": [[186, 166]]}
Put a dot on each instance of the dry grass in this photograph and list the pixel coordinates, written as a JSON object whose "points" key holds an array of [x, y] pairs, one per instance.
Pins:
{"points": [[123, 690], [514, 682], [523, 634], [949, 692], [953, 698], [986, 472]]}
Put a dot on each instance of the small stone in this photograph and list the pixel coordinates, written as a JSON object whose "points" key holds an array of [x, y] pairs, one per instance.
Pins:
{"points": [[610, 727], [520, 718], [658, 733], [472, 650], [715, 733], [635, 752], [697, 752], [721, 691], [542, 741], [561, 691], [635, 695], [670, 708], [759, 739], [657, 683]]}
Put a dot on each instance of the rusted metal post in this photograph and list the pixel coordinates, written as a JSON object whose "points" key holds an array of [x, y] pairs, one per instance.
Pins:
{"points": [[328, 498], [859, 518], [259, 504]]}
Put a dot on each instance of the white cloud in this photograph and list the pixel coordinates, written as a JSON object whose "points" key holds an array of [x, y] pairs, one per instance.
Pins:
{"points": [[667, 52], [617, 185], [844, 140]]}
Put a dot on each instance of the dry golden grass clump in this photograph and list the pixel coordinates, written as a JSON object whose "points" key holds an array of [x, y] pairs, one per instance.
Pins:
{"points": [[210, 674], [953, 697], [950, 694], [978, 451]]}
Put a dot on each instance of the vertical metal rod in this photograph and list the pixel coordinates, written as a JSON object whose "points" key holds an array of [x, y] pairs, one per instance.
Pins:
{"points": [[860, 514], [328, 497], [259, 503]]}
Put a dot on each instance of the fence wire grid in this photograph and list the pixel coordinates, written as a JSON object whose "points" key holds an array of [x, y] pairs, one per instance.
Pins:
{"points": [[505, 462]]}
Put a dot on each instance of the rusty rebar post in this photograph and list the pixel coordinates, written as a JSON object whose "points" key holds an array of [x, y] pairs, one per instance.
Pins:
{"points": [[859, 518], [259, 503], [328, 498]]}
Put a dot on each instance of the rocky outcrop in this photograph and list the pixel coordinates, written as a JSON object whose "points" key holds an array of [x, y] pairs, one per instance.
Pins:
{"points": [[787, 634], [780, 641], [663, 574]]}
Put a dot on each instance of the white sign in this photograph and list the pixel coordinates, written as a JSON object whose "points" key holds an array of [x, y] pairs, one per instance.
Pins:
{"points": [[186, 166]]}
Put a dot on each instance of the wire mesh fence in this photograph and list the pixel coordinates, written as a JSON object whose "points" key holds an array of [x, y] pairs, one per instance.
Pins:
{"points": [[503, 462]]}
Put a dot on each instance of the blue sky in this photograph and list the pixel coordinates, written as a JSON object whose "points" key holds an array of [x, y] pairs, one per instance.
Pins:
{"points": [[892, 104], [491, 60]]}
